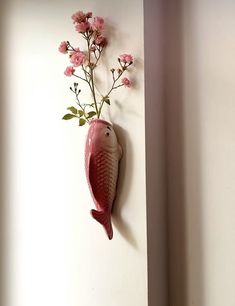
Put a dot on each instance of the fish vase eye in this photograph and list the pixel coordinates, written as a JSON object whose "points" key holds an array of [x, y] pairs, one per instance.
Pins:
{"points": [[107, 133], [108, 139]]}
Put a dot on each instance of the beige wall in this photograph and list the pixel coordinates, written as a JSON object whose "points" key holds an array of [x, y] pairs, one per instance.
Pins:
{"points": [[155, 153], [201, 151]]}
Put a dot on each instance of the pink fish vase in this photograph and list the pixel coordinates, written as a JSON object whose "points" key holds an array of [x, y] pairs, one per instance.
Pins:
{"points": [[102, 155], [103, 152]]}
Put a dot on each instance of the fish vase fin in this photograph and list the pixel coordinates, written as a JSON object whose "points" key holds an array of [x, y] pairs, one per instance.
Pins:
{"points": [[103, 218]]}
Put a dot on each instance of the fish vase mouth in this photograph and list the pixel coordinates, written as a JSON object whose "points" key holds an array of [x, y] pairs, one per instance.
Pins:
{"points": [[100, 120]]}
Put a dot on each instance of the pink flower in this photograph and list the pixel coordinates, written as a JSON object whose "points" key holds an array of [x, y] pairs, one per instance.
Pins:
{"points": [[79, 17], [82, 26], [126, 82], [69, 71], [63, 48], [101, 41], [77, 58], [126, 58], [89, 14], [98, 24]]}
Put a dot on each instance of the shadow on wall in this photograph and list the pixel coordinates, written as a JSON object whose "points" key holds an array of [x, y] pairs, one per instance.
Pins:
{"points": [[125, 178], [3, 136], [182, 114], [155, 154]]}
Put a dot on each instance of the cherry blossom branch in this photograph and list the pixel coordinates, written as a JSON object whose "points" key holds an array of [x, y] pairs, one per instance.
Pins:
{"points": [[91, 31], [120, 73]]}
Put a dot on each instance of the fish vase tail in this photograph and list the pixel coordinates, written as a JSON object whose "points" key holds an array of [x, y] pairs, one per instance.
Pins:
{"points": [[103, 218]]}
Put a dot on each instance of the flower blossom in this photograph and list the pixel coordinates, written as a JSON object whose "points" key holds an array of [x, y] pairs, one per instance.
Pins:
{"points": [[82, 27], [69, 71], [77, 57], [126, 58], [98, 24], [101, 41], [78, 17], [63, 48], [126, 82]]}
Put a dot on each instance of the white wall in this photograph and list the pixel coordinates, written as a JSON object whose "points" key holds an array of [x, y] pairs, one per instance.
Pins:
{"points": [[201, 150], [57, 254]]}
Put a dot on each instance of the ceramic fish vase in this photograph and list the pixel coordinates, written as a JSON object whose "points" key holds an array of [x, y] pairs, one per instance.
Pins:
{"points": [[102, 156]]}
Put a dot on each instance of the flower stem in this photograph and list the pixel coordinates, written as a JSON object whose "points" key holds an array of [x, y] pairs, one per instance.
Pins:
{"points": [[82, 108], [91, 82], [111, 89]]}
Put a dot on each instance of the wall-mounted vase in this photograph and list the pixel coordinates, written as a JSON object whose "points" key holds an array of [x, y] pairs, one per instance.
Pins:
{"points": [[102, 156]]}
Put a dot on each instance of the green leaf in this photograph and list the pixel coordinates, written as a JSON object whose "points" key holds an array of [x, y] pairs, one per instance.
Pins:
{"points": [[107, 101], [69, 116], [82, 121], [73, 110], [80, 113], [91, 114]]}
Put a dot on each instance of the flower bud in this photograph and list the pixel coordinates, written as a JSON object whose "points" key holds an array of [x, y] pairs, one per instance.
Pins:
{"points": [[92, 48], [91, 65]]}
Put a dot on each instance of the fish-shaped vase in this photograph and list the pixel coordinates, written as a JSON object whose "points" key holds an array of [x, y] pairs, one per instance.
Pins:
{"points": [[102, 156]]}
